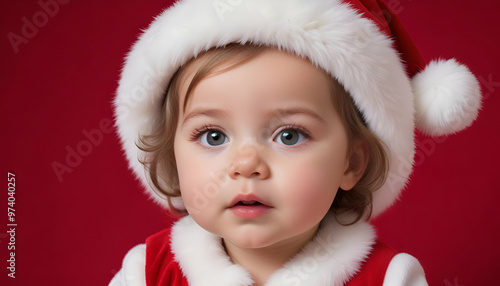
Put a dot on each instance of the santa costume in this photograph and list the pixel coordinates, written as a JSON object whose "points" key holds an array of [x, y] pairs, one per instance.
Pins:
{"points": [[362, 44]]}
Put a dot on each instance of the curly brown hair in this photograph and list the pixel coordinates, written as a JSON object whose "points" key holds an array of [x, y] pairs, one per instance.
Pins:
{"points": [[159, 159]]}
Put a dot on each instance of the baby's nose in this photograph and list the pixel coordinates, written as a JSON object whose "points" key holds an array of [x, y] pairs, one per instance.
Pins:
{"points": [[249, 164]]}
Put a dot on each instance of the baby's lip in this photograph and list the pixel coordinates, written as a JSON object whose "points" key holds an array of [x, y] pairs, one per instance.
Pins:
{"points": [[247, 199]]}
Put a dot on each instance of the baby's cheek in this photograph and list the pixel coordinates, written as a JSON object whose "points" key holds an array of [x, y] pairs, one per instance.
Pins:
{"points": [[191, 180], [312, 190], [200, 188]]}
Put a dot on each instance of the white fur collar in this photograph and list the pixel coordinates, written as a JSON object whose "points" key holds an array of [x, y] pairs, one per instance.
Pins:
{"points": [[332, 258]]}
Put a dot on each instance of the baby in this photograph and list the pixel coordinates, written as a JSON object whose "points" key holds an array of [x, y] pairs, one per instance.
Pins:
{"points": [[278, 129]]}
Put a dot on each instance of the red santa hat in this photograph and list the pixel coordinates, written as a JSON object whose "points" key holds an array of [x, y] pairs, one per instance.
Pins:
{"points": [[361, 43]]}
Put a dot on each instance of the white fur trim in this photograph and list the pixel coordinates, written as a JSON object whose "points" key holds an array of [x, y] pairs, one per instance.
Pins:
{"points": [[329, 33], [133, 272], [202, 257], [447, 98], [404, 269], [331, 258]]}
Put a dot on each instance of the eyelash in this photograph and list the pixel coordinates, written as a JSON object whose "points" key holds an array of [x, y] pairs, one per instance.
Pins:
{"points": [[296, 127], [196, 134]]}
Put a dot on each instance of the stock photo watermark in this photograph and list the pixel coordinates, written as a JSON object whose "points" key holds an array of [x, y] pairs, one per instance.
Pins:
{"points": [[31, 25], [75, 154], [455, 282], [488, 85], [11, 224], [325, 250], [427, 147], [223, 6]]}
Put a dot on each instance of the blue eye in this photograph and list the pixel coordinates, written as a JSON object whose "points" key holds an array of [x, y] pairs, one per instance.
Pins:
{"points": [[290, 137], [213, 138]]}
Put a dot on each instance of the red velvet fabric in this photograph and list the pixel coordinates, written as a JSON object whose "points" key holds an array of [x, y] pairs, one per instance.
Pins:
{"points": [[373, 270], [161, 268], [388, 21], [56, 88]]}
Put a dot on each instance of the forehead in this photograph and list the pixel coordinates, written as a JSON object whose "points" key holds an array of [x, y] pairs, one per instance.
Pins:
{"points": [[270, 77]]}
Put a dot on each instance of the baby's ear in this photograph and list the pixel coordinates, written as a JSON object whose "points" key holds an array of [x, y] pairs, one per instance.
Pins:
{"points": [[357, 163]]}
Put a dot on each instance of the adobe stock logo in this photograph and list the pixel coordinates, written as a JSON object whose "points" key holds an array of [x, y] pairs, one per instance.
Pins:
{"points": [[32, 25], [74, 155], [223, 6]]}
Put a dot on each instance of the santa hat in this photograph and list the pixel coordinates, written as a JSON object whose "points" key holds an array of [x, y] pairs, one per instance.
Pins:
{"points": [[361, 43]]}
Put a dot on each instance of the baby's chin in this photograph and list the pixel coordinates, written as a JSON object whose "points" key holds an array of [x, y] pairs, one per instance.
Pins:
{"points": [[268, 241], [250, 242]]}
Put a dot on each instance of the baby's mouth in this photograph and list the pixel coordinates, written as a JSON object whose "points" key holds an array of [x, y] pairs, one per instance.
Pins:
{"points": [[248, 203], [249, 206], [250, 210]]}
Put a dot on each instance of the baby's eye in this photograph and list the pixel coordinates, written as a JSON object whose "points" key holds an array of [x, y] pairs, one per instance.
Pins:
{"points": [[290, 137], [213, 138]]}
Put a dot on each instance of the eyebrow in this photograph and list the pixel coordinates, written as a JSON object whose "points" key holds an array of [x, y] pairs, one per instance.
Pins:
{"points": [[282, 112], [277, 112], [216, 113]]}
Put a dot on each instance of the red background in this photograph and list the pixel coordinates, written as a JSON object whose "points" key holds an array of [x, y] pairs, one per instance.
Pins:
{"points": [[76, 231]]}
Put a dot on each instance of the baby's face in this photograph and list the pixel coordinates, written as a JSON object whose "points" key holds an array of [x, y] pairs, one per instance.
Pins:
{"points": [[261, 151]]}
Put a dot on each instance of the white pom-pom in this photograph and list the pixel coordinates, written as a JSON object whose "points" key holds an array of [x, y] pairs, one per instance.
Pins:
{"points": [[447, 98]]}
